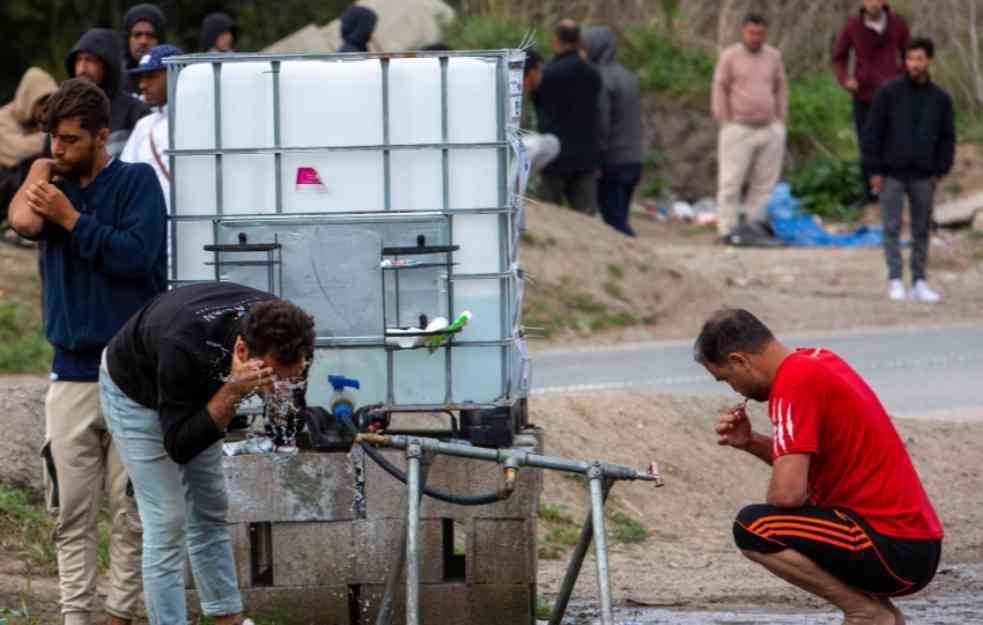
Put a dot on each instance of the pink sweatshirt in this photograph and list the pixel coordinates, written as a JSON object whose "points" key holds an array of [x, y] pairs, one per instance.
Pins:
{"points": [[750, 88]]}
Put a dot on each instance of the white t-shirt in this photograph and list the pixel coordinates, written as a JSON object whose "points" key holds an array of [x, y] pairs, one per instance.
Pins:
{"points": [[139, 149]]}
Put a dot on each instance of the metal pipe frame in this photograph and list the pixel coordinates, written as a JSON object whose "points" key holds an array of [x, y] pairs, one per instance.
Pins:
{"points": [[600, 474]]}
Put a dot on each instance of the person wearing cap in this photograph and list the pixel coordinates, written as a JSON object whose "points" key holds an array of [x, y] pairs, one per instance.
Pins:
{"points": [[97, 58], [218, 33], [144, 27], [150, 139]]}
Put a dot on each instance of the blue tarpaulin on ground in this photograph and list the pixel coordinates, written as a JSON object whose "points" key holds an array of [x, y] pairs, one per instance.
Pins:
{"points": [[795, 227]]}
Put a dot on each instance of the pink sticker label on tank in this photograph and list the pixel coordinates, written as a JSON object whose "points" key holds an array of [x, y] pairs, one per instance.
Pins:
{"points": [[309, 180]]}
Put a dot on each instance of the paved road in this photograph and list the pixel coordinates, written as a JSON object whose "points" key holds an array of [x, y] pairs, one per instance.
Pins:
{"points": [[934, 371]]}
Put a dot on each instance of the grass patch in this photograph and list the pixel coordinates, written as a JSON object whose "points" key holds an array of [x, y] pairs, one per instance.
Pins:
{"points": [[625, 529], [544, 609], [616, 271], [22, 516], [830, 188], [666, 68], [614, 290], [491, 32], [564, 535], [23, 348], [553, 513]]}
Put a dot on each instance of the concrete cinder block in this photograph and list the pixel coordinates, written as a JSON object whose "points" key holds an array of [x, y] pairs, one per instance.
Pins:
{"points": [[313, 554], [309, 605], [503, 604], [376, 542], [440, 604], [277, 488], [502, 552]]}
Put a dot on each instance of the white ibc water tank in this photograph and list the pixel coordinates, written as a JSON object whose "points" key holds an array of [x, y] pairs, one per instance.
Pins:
{"points": [[336, 115]]}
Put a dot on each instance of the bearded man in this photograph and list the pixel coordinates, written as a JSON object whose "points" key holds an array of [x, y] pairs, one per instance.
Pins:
{"points": [[101, 223]]}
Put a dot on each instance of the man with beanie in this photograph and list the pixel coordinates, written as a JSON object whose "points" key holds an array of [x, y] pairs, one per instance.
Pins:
{"points": [[619, 128], [143, 28], [97, 58], [357, 25], [219, 33]]}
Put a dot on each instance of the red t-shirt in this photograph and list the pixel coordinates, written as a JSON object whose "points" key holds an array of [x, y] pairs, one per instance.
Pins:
{"points": [[820, 406]]}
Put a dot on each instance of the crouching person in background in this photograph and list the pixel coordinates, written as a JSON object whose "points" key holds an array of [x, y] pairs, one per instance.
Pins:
{"points": [[170, 383]]}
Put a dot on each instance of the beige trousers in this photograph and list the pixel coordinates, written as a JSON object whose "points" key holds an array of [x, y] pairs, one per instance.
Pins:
{"points": [[81, 462], [752, 155]]}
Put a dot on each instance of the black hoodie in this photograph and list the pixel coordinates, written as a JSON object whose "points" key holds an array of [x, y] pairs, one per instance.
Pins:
{"points": [[357, 25], [125, 110], [139, 13], [214, 25]]}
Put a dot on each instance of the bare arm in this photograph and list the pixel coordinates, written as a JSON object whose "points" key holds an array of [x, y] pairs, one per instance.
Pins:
{"points": [[789, 486], [23, 218]]}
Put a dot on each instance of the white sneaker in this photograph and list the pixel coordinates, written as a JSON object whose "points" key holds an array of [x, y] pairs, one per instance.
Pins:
{"points": [[896, 291], [921, 293]]}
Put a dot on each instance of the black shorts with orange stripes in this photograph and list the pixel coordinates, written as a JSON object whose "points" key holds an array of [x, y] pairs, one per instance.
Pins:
{"points": [[843, 544]]}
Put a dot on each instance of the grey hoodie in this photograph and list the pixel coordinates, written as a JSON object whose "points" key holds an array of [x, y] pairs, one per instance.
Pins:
{"points": [[620, 103]]}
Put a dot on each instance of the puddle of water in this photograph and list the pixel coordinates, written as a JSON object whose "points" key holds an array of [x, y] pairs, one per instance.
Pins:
{"points": [[957, 609]]}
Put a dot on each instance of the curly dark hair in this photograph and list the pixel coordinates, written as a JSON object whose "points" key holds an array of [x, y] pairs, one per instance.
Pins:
{"points": [[77, 97], [279, 328], [727, 331]]}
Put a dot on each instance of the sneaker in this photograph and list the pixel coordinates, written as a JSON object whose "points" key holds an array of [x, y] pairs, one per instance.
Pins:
{"points": [[896, 291], [921, 293]]}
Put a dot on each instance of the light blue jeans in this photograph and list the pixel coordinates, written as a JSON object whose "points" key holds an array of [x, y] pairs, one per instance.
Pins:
{"points": [[183, 510]]}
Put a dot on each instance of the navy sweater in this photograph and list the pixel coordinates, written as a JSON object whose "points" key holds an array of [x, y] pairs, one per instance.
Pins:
{"points": [[910, 131], [106, 269]]}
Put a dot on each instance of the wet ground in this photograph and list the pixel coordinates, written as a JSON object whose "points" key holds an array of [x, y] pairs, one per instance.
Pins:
{"points": [[955, 597], [953, 610]]}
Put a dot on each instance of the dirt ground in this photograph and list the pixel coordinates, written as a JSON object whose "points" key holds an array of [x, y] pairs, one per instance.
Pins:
{"points": [[689, 559]]}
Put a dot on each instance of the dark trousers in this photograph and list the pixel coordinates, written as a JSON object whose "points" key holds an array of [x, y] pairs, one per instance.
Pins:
{"points": [[615, 188], [860, 111], [579, 190], [920, 193]]}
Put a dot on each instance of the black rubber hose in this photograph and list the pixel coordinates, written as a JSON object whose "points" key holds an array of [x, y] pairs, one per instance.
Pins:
{"points": [[393, 470]]}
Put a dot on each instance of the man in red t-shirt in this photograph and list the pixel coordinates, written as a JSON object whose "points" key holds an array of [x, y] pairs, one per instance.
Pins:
{"points": [[846, 518]]}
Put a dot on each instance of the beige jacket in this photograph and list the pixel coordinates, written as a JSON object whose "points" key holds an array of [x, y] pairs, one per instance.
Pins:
{"points": [[20, 138]]}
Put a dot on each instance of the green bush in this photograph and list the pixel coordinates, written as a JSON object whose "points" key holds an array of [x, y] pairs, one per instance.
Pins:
{"points": [[830, 188], [820, 118], [666, 68], [476, 32], [23, 348]]}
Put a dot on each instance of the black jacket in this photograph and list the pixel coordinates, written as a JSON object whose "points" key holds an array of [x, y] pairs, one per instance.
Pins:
{"points": [[910, 131], [567, 106], [139, 13], [357, 25], [125, 110], [214, 25], [175, 353]]}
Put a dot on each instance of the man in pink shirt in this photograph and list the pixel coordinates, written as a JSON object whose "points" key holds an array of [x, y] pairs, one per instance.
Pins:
{"points": [[750, 101]]}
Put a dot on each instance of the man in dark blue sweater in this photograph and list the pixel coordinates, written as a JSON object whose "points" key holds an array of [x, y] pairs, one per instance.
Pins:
{"points": [[909, 143], [102, 227]]}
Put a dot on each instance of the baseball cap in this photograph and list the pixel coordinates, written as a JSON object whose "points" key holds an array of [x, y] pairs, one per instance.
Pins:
{"points": [[153, 60]]}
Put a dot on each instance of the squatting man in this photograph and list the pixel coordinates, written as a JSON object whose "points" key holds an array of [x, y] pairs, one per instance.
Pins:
{"points": [[846, 517]]}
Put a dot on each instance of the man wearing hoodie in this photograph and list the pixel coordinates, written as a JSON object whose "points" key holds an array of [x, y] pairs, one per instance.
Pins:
{"points": [[21, 137], [357, 25], [97, 58], [876, 37], [619, 129], [102, 223], [143, 28], [218, 33]]}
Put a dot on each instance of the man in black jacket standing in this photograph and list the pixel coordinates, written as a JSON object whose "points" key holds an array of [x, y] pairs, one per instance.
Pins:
{"points": [[567, 106], [144, 27], [909, 144]]}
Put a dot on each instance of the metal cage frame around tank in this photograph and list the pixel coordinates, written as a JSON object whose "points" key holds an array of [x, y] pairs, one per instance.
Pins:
{"points": [[508, 208]]}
